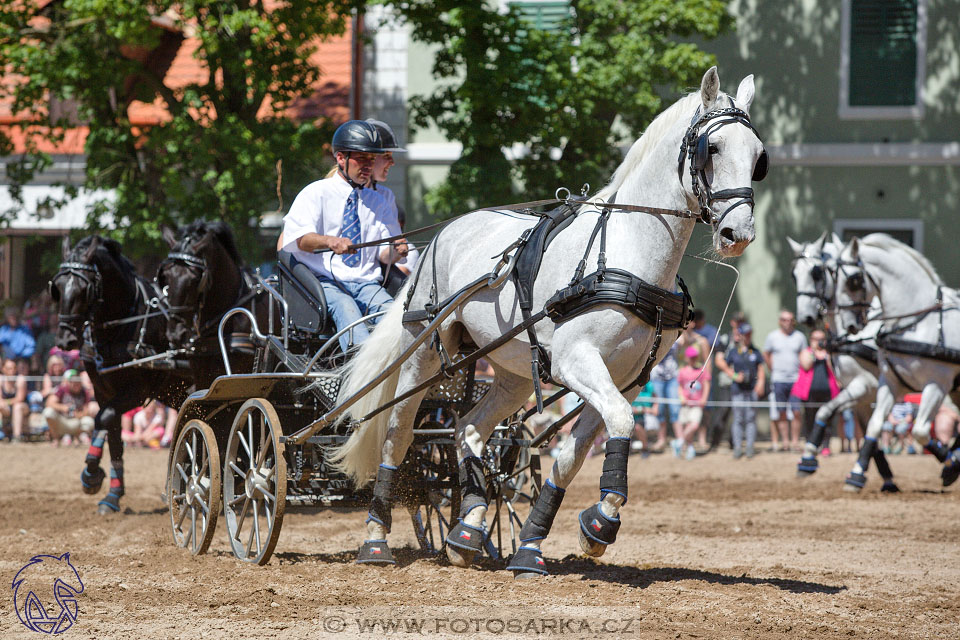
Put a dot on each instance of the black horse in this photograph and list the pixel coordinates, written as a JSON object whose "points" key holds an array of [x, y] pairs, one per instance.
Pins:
{"points": [[97, 289], [202, 278]]}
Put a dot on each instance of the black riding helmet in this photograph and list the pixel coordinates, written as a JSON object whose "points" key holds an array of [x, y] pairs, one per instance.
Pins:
{"points": [[388, 136], [357, 135]]}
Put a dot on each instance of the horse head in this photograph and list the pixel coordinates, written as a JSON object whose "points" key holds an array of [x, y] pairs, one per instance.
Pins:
{"points": [[855, 288], [76, 289], [726, 155], [197, 259], [814, 266]]}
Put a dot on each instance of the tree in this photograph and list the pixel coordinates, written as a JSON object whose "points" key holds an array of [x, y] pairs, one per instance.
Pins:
{"points": [[567, 96], [214, 153]]}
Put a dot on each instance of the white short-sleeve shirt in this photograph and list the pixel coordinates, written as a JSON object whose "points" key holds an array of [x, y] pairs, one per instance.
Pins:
{"points": [[318, 208]]}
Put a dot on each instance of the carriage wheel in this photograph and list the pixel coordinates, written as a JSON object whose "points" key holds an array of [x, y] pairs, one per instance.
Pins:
{"points": [[254, 482], [430, 490], [513, 488], [193, 492]]}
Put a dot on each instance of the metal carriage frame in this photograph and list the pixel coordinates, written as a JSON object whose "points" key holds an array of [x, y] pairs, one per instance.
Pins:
{"points": [[254, 442]]}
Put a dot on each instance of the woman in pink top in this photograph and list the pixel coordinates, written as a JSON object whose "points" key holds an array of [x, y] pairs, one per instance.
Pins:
{"points": [[694, 389], [815, 383]]}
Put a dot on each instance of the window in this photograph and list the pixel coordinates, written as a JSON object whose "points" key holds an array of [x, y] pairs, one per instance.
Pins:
{"points": [[882, 58], [546, 15], [906, 231]]}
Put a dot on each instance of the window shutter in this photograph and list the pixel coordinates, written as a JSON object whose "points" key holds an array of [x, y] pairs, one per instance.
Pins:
{"points": [[883, 53], [545, 16]]}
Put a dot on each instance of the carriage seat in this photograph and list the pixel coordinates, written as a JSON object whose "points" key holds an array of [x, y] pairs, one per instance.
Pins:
{"points": [[304, 295]]}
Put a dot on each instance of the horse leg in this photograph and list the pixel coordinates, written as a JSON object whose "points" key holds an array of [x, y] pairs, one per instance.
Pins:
{"points": [[930, 402], [528, 562], [856, 479], [111, 502], [808, 463], [91, 478], [506, 395], [399, 437]]}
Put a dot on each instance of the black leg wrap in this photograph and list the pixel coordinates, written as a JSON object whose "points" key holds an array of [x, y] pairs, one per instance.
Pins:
{"points": [[614, 477], [541, 516], [951, 469], [375, 552], [816, 434], [598, 527], [883, 466], [938, 449], [473, 485], [382, 503], [528, 560]]}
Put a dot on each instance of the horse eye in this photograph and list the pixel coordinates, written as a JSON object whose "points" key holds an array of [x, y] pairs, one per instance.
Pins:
{"points": [[816, 273], [713, 149], [855, 282]]}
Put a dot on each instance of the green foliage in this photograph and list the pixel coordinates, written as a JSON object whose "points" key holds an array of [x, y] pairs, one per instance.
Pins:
{"points": [[215, 154], [569, 97]]}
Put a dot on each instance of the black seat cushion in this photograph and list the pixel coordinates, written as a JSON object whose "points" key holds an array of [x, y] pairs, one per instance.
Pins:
{"points": [[304, 295]]}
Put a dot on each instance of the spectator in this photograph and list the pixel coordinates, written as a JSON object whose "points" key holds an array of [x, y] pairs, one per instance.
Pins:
{"points": [[702, 327], [781, 350], [815, 383], [664, 377], [945, 422], [744, 364], [13, 401], [719, 416], [852, 433], [149, 425], [694, 389], [51, 377], [15, 338], [895, 435], [70, 410], [645, 410]]}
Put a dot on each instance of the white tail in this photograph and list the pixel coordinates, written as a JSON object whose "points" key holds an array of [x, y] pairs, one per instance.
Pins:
{"points": [[360, 455]]}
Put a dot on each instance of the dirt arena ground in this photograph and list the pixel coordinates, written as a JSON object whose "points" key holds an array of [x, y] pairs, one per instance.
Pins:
{"points": [[713, 548]]}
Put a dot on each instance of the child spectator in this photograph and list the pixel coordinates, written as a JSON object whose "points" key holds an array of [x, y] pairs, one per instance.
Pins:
{"points": [[70, 410], [645, 410], [149, 425], [896, 429], [13, 401], [694, 389]]}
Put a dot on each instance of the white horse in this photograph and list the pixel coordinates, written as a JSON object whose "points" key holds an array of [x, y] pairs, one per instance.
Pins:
{"points": [[854, 356], [919, 341], [596, 355]]}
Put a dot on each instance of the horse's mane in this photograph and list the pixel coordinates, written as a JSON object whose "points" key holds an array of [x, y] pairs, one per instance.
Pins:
{"points": [[649, 139], [111, 246], [887, 243], [220, 230]]}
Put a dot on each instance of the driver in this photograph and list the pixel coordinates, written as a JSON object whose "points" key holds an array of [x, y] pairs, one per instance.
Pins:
{"points": [[335, 214]]}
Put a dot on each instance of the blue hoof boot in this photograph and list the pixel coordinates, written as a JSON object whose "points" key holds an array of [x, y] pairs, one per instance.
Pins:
{"points": [[855, 481], [807, 466], [92, 481], [375, 552], [527, 562], [110, 504], [951, 470], [889, 486]]}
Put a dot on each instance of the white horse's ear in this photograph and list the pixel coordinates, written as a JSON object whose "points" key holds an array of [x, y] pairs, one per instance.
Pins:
{"points": [[837, 240], [745, 93], [818, 245], [796, 246], [854, 248], [709, 88]]}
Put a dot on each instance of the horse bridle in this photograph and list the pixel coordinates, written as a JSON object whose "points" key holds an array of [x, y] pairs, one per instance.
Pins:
{"points": [[855, 282], [696, 146], [197, 265], [90, 275], [819, 274]]}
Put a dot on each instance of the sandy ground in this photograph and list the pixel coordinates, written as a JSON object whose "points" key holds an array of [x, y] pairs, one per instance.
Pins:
{"points": [[712, 548]]}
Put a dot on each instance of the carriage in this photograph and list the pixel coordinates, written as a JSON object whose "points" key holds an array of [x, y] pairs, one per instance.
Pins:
{"points": [[252, 443]]}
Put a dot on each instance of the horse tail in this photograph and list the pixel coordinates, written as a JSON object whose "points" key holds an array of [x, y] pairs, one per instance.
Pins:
{"points": [[360, 455]]}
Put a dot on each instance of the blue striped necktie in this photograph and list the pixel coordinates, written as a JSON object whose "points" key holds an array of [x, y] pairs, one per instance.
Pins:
{"points": [[351, 227]]}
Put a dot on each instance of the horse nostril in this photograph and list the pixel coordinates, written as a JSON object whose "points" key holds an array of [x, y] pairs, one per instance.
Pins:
{"points": [[727, 234]]}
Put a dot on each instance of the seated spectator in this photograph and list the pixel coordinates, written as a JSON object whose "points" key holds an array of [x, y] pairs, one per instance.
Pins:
{"points": [[13, 401], [70, 410], [896, 429], [149, 425], [945, 422], [16, 338], [51, 377], [694, 389], [645, 410]]}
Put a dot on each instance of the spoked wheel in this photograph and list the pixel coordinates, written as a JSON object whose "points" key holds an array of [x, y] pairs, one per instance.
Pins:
{"points": [[193, 494], [254, 482], [429, 488], [513, 485]]}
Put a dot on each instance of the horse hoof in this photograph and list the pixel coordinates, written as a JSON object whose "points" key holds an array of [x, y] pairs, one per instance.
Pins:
{"points": [[91, 482], [375, 552], [527, 562], [854, 482], [889, 486], [849, 488], [591, 547], [109, 505], [457, 559], [807, 467], [951, 470], [526, 575], [804, 474], [106, 510]]}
